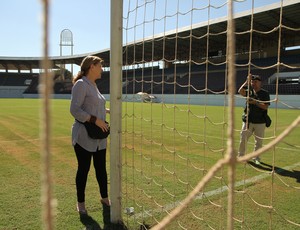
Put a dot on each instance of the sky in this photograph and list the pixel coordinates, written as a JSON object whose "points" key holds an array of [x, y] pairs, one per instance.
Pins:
{"points": [[22, 26], [88, 20]]}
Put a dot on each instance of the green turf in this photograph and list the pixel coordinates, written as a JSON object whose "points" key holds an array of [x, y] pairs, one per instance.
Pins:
{"points": [[166, 150]]}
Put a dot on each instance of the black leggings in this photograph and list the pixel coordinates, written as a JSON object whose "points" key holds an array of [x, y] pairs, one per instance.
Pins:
{"points": [[84, 158]]}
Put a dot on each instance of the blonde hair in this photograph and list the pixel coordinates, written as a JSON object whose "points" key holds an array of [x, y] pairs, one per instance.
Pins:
{"points": [[85, 66]]}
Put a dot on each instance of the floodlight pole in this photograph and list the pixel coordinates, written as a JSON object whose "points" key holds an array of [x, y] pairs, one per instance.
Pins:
{"points": [[116, 27], [66, 39]]}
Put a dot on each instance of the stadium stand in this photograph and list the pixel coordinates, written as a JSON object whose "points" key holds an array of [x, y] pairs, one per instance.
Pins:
{"points": [[16, 79], [264, 60], [171, 80]]}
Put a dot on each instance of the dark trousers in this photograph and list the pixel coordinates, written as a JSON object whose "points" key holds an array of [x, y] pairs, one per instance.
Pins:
{"points": [[84, 158]]}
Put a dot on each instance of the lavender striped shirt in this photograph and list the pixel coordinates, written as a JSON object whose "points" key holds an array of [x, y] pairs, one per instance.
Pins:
{"points": [[86, 100]]}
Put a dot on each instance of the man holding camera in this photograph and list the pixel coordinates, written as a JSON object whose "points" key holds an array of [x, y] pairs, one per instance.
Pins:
{"points": [[254, 122]]}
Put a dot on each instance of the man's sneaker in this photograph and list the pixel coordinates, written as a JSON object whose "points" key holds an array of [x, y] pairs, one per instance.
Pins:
{"points": [[256, 161]]}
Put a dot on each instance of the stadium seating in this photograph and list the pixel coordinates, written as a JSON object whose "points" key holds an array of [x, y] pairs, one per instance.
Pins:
{"points": [[16, 79], [179, 79]]}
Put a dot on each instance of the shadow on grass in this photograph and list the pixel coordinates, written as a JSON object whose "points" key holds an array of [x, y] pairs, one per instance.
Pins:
{"points": [[280, 171], [89, 223]]}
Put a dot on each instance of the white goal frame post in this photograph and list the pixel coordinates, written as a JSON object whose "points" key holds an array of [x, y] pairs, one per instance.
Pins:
{"points": [[116, 25]]}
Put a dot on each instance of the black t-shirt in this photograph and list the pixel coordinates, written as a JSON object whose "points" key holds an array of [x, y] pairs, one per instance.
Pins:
{"points": [[256, 114]]}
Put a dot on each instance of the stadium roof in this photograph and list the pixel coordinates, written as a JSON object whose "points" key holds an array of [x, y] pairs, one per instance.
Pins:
{"points": [[265, 37]]}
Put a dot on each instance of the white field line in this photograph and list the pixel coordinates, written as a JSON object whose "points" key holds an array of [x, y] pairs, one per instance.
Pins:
{"points": [[218, 191]]}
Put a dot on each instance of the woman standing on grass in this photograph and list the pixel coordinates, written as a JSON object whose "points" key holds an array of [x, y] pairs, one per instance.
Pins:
{"points": [[88, 105]]}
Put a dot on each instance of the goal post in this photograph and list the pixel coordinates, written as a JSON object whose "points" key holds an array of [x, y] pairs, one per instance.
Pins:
{"points": [[180, 152], [116, 109]]}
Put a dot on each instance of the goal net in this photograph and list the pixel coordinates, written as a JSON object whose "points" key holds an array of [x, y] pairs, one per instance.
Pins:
{"points": [[186, 59]]}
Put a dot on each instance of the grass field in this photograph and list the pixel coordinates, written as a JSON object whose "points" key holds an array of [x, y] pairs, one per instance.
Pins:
{"points": [[166, 150]]}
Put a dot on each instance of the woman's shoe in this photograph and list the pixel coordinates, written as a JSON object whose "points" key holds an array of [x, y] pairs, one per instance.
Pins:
{"points": [[81, 208]]}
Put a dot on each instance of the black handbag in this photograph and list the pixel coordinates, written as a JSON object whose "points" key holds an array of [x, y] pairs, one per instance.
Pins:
{"points": [[94, 131], [267, 120], [244, 117]]}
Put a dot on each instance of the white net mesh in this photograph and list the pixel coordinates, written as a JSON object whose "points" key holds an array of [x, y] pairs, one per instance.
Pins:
{"points": [[177, 52]]}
